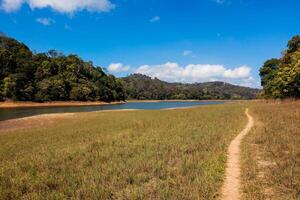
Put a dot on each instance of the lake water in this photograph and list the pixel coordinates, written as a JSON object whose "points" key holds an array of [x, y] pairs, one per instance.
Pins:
{"points": [[12, 113]]}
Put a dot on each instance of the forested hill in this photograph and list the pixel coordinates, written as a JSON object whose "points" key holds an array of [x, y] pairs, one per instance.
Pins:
{"points": [[139, 86], [52, 76]]}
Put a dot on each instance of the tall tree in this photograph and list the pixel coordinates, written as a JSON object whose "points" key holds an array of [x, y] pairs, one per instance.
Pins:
{"points": [[280, 78]]}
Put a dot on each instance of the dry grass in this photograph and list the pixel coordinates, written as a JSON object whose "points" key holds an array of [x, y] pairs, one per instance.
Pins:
{"points": [[271, 152], [167, 154]]}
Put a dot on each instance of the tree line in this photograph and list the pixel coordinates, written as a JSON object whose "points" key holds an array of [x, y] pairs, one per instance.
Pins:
{"points": [[52, 76], [280, 78], [138, 86]]}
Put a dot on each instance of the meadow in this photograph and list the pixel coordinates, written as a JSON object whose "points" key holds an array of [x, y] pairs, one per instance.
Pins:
{"points": [[162, 154], [159, 154], [271, 152]]}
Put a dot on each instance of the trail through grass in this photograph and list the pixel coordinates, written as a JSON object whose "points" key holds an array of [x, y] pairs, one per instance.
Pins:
{"points": [[167, 154], [271, 152], [232, 184]]}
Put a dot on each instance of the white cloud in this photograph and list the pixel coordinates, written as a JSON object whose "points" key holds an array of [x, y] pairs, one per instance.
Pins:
{"points": [[45, 21], [63, 6], [11, 5], [173, 72], [240, 72], [118, 67], [220, 1], [155, 19], [187, 52]]}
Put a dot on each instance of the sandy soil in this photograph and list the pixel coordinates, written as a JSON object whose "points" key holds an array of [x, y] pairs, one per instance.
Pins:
{"points": [[231, 186], [17, 104], [31, 122], [40, 120], [180, 108]]}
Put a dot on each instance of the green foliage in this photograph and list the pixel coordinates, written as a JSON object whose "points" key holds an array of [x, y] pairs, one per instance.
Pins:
{"points": [[281, 78], [267, 72], [294, 44], [52, 76], [143, 87]]}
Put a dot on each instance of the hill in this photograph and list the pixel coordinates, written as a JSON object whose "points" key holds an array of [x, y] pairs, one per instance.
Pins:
{"points": [[52, 76], [139, 86]]}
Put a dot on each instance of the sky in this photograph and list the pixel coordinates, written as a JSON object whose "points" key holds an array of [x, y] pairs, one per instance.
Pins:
{"points": [[174, 40]]}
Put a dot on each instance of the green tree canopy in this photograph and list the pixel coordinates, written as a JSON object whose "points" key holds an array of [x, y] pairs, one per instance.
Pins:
{"points": [[280, 78], [52, 76]]}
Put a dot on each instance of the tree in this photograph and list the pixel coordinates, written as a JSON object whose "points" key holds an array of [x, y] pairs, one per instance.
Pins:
{"points": [[287, 79], [267, 73], [293, 44], [8, 86], [280, 78]]}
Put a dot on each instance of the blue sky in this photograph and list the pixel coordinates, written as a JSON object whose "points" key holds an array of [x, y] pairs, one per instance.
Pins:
{"points": [[187, 41]]}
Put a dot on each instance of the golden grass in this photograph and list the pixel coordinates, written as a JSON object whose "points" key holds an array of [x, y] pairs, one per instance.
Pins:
{"points": [[167, 154], [271, 152]]}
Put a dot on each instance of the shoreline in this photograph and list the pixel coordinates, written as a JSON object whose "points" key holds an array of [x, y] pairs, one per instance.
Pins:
{"points": [[29, 104], [36, 121], [19, 104], [176, 100], [14, 105]]}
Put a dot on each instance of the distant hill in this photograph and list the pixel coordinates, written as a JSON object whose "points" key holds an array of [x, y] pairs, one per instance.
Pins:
{"points": [[138, 86]]}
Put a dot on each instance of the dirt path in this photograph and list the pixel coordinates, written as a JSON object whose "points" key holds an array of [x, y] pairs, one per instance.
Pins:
{"points": [[231, 186]]}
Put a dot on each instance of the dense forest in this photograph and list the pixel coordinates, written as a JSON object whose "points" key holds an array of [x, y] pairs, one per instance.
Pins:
{"points": [[280, 78], [52, 76], [139, 86]]}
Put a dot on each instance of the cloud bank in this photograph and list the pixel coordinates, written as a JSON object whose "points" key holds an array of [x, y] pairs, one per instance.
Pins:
{"points": [[192, 73], [62, 6]]}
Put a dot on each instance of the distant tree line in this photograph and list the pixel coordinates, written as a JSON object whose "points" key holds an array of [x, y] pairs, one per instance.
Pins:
{"points": [[280, 78], [142, 87], [52, 76]]}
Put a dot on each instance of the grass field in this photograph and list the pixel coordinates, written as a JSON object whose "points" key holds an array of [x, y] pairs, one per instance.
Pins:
{"points": [[167, 154], [271, 152]]}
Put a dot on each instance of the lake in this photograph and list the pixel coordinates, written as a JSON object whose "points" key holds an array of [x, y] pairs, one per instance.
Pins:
{"points": [[13, 113]]}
